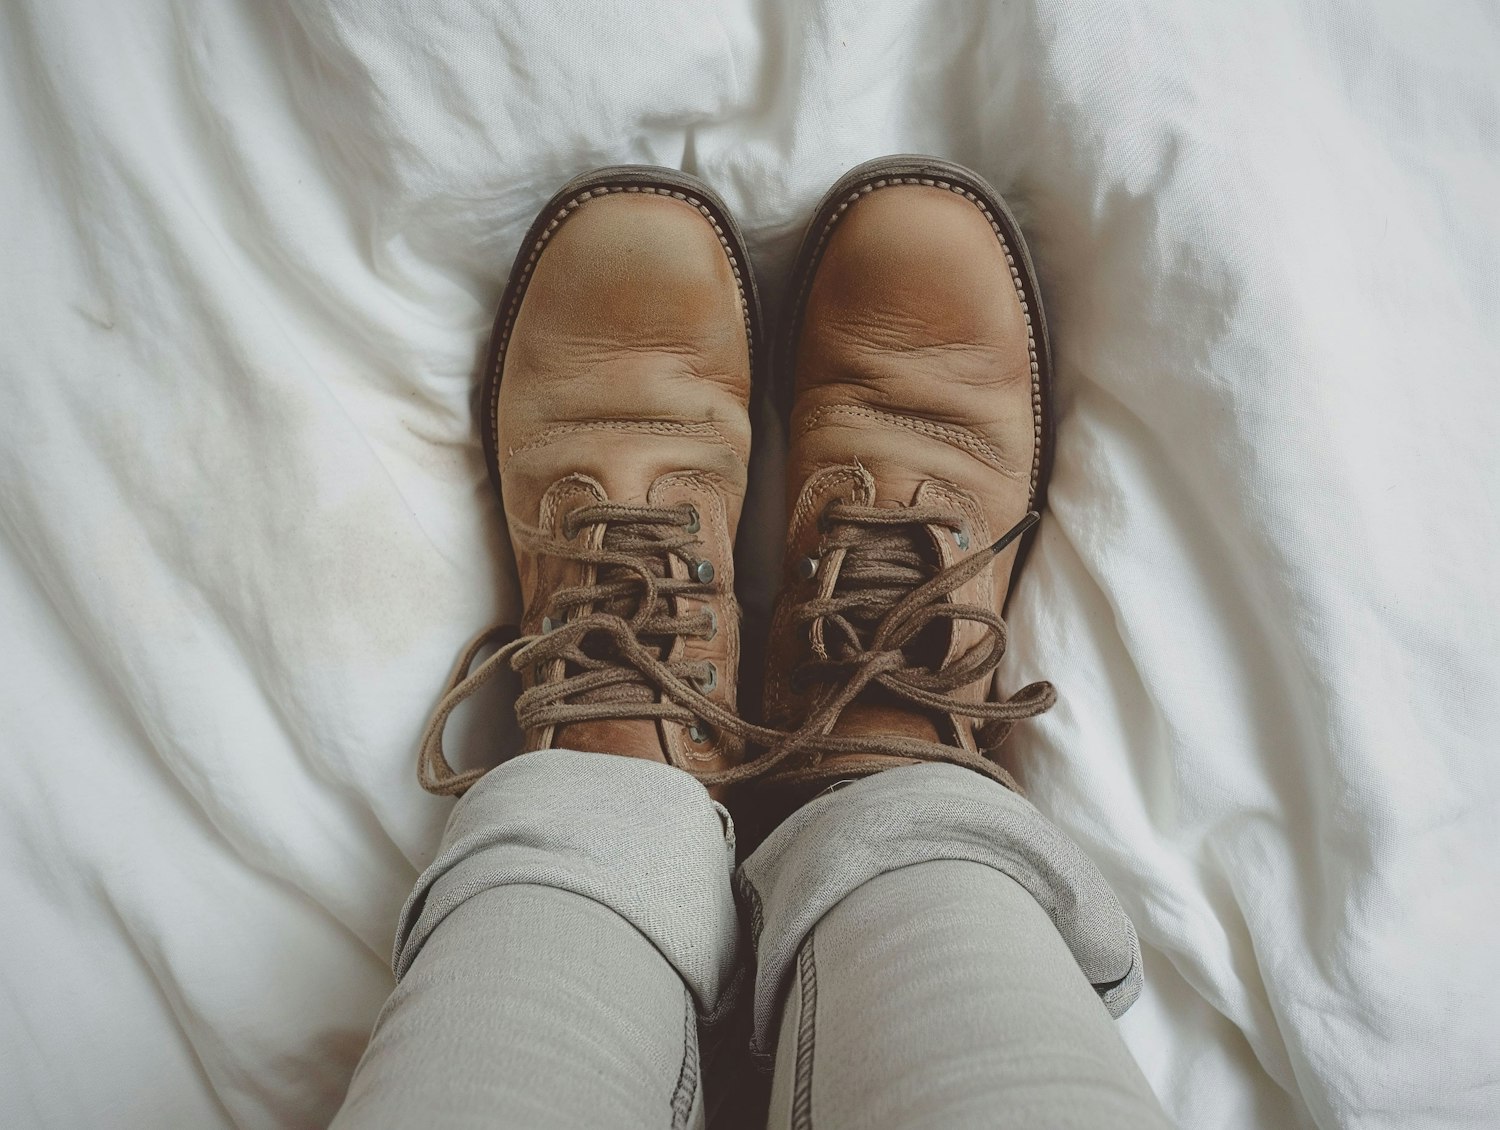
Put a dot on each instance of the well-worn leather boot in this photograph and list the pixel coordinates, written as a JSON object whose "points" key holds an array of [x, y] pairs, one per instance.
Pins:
{"points": [[920, 430], [614, 415]]}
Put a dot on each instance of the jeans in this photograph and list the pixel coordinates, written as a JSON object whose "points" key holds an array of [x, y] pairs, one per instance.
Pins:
{"points": [[917, 948]]}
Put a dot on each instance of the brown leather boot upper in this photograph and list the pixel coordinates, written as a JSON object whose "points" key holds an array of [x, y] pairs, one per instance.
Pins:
{"points": [[617, 423], [917, 430]]}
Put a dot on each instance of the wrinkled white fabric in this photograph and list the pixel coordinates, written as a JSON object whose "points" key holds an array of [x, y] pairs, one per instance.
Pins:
{"points": [[250, 254]]}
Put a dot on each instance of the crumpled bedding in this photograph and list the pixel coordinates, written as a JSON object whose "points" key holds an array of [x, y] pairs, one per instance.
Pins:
{"points": [[251, 250]]}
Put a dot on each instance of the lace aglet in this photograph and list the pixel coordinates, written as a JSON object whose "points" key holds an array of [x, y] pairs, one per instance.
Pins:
{"points": [[1010, 535]]}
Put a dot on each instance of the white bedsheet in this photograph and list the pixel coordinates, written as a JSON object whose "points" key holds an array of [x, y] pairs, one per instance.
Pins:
{"points": [[250, 253]]}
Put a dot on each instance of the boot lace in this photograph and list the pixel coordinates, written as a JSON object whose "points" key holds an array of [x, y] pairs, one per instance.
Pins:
{"points": [[888, 594], [603, 650]]}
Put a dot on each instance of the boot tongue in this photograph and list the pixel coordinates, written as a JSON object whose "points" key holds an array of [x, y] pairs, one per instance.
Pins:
{"points": [[629, 737], [632, 737], [879, 712]]}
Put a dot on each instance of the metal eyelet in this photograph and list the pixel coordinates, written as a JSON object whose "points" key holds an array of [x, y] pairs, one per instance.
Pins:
{"points": [[697, 733], [710, 680], [713, 622], [693, 525], [548, 625], [701, 571], [807, 567], [961, 538]]}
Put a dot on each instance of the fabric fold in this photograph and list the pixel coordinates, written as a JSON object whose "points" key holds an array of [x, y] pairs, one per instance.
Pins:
{"points": [[641, 838], [917, 814]]}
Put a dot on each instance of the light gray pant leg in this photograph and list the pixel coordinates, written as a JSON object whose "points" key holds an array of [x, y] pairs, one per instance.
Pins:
{"points": [[941, 996], [532, 1007], [557, 958], [932, 952]]}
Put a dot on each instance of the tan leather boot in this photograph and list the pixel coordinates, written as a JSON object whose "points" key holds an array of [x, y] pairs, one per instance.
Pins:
{"points": [[920, 430], [614, 414]]}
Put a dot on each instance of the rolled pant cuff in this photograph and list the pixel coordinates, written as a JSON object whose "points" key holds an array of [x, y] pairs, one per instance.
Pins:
{"points": [[918, 814], [641, 838]]}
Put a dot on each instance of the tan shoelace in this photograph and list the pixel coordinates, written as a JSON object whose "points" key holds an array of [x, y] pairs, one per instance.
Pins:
{"points": [[612, 651], [887, 593], [601, 653]]}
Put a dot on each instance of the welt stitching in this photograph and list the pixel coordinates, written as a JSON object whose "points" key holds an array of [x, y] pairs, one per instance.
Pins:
{"points": [[541, 242], [1010, 261], [807, 1018]]}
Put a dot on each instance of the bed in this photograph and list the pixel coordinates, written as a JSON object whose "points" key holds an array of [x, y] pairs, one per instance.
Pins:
{"points": [[251, 250]]}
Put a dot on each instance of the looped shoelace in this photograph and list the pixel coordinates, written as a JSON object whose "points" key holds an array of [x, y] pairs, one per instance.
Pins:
{"points": [[611, 638], [886, 594]]}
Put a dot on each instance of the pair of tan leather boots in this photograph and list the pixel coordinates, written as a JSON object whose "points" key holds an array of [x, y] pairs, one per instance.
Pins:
{"points": [[615, 414]]}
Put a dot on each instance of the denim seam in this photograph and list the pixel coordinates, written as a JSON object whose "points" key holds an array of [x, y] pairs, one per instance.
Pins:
{"points": [[807, 1020], [685, 1092]]}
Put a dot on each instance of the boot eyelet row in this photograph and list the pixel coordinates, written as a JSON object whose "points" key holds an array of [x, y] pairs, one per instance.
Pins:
{"points": [[710, 680]]}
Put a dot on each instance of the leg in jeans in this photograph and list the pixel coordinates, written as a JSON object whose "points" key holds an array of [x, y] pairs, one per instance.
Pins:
{"points": [[557, 957], [927, 943]]}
